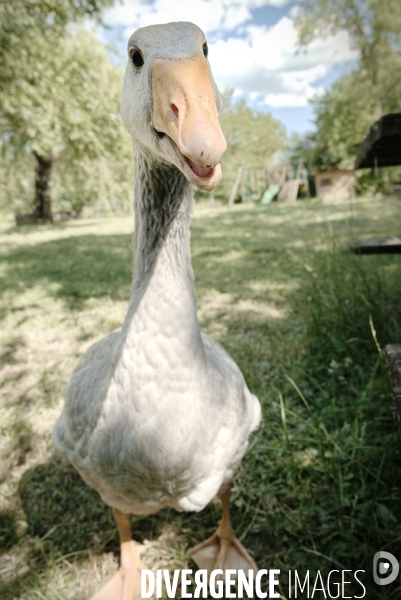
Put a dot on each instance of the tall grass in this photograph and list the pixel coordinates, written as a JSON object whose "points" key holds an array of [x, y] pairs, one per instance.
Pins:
{"points": [[334, 461]]}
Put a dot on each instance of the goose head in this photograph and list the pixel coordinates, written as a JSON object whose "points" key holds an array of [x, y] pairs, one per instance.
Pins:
{"points": [[171, 104]]}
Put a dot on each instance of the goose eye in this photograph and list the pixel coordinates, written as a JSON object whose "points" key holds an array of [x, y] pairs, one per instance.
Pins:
{"points": [[136, 57], [205, 49]]}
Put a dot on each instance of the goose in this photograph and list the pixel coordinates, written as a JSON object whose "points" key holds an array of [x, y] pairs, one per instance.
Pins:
{"points": [[157, 414]]}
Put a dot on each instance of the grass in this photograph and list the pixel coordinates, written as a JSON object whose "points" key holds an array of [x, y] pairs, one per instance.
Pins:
{"points": [[319, 488]]}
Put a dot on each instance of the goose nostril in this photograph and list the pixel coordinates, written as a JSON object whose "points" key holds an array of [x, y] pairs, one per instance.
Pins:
{"points": [[174, 110]]}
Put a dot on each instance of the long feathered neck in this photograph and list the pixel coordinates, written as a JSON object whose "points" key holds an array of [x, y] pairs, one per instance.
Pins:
{"points": [[163, 204], [163, 300]]}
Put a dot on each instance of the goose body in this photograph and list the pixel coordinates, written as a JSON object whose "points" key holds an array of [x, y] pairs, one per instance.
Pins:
{"points": [[157, 414]]}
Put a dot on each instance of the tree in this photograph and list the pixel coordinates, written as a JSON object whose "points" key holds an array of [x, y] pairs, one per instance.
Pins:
{"points": [[374, 28], [345, 113], [252, 139], [68, 118], [43, 78], [22, 21], [343, 116]]}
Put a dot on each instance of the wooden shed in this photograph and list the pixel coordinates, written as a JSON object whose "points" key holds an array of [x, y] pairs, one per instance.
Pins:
{"points": [[335, 184]]}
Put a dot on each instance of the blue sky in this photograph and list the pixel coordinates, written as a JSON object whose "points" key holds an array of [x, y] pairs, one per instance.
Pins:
{"points": [[252, 50]]}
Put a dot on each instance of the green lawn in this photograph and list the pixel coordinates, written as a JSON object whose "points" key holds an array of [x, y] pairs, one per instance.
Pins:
{"points": [[319, 488]]}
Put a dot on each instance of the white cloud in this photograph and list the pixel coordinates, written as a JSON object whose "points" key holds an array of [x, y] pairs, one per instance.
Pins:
{"points": [[265, 62], [209, 15]]}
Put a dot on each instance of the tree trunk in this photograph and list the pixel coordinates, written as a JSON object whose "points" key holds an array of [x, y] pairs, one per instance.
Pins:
{"points": [[43, 209]]}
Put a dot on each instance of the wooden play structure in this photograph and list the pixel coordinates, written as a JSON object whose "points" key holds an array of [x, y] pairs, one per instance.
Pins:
{"points": [[251, 181], [264, 183]]}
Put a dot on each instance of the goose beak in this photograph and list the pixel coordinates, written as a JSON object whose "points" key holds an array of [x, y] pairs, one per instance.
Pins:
{"points": [[185, 110]]}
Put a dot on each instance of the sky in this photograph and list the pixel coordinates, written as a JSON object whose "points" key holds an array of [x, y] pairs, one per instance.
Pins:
{"points": [[252, 50]]}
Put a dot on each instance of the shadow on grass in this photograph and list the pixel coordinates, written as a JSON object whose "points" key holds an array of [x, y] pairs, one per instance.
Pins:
{"points": [[8, 531], [27, 228], [61, 509], [81, 267], [91, 266], [70, 516], [7, 355], [66, 518]]}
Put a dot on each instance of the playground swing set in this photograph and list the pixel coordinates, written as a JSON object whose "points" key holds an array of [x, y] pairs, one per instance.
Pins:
{"points": [[281, 180]]}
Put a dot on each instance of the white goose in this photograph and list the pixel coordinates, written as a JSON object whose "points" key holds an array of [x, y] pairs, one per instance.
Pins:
{"points": [[157, 414]]}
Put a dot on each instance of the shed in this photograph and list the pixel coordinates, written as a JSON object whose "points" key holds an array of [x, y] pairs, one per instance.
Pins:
{"points": [[335, 184]]}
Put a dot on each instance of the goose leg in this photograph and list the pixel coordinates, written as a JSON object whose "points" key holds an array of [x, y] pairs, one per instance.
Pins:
{"points": [[126, 583], [223, 550]]}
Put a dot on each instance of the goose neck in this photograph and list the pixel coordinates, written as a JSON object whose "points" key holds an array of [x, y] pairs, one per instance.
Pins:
{"points": [[163, 205], [163, 299]]}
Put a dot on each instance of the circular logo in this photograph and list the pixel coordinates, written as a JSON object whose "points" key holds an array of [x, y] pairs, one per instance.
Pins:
{"points": [[383, 567]]}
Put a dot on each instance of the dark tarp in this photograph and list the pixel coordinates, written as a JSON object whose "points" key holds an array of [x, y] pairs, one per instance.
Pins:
{"points": [[382, 145]]}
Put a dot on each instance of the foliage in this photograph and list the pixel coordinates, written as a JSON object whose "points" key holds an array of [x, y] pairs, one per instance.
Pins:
{"points": [[343, 117], [60, 94], [279, 289], [252, 140], [22, 22], [30, 47], [100, 186], [374, 30], [345, 113], [64, 99], [304, 148], [65, 106], [16, 180]]}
